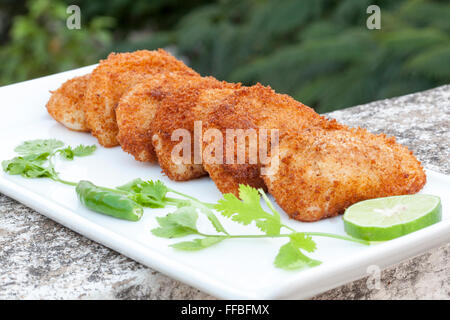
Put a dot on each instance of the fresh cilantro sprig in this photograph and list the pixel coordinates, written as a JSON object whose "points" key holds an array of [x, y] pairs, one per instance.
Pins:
{"points": [[36, 160], [38, 146], [246, 210], [36, 157], [153, 194]]}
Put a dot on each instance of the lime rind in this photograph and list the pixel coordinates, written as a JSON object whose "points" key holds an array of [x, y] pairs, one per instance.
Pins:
{"points": [[415, 206], [366, 219]]}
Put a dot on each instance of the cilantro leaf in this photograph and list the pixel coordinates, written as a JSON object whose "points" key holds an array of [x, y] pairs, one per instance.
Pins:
{"points": [[38, 158], [269, 226], [170, 230], [28, 166], [38, 146], [245, 211], [197, 244], [147, 193], [132, 186], [249, 209], [185, 217], [290, 256], [33, 155], [83, 151], [303, 241], [154, 189], [180, 223], [69, 153]]}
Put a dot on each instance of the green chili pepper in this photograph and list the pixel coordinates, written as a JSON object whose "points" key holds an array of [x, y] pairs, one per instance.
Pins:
{"points": [[108, 201]]}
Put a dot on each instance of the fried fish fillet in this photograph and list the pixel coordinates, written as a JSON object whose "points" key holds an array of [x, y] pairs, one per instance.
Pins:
{"points": [[137, 108], [112, 78], [317, 168], [324, 170], [177, 114], [251, 109], [66, 104]]}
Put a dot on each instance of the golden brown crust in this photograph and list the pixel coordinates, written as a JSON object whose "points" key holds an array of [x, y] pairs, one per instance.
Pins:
{"points": [[66, 104], [324, 170], [112, 78], [138, 107], [180, 110], [324, 166], [255, 107], [227, 181]]}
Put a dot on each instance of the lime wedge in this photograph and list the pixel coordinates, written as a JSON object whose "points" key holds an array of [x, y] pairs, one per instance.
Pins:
{"points": [[391, 217]]}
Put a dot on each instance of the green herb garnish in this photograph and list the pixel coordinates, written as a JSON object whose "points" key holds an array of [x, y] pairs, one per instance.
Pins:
{"points": [[246, 210], [35, 160]]}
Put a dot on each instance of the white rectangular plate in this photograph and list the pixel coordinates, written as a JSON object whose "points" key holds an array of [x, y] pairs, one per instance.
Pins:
{"points": [[233, 269]]}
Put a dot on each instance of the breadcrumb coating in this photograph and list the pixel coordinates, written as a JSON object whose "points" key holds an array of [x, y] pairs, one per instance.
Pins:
{"points": [[180, 110], [256, 107], [137, 109], [325, 170], [66, 104], [318, 168], [112, 78]]}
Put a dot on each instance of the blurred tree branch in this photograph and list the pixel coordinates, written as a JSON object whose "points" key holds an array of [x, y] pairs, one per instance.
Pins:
{"points": [[319, 51]]}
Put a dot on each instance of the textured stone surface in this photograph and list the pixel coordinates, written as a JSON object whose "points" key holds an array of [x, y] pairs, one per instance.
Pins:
{"points": [[40, 259]]}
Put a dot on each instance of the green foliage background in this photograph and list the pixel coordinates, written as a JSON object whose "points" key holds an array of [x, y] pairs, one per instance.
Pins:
{"points": [[318, 51]]}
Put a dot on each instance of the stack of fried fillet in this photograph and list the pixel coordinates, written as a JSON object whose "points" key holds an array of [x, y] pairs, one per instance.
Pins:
{"points": [[139, 99]]}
